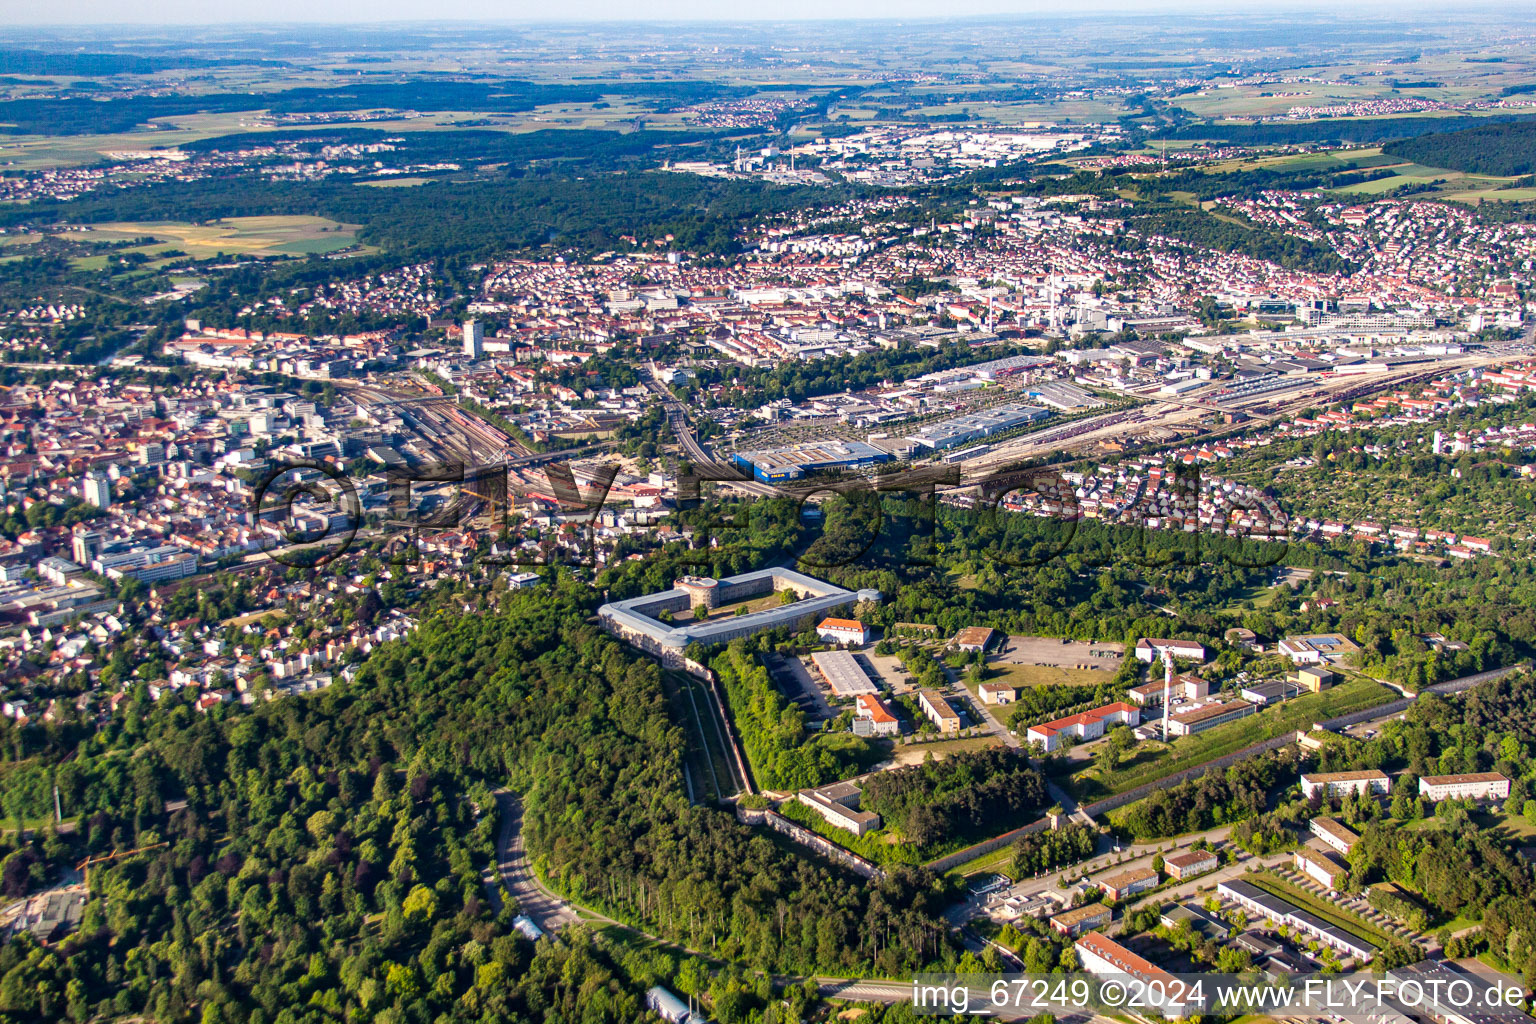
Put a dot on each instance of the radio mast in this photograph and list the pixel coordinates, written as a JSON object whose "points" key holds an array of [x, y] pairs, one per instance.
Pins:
{"points": [[1167, 689]]}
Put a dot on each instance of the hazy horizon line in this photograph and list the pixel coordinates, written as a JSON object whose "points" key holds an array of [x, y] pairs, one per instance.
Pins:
{"points": [[978, 10]]}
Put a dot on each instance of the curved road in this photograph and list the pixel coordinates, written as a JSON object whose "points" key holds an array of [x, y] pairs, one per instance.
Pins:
{"points": [[547, 910], [551, 913]]}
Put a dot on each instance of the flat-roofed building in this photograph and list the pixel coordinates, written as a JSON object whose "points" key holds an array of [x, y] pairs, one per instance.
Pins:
{"points": [[939, 712], [972, 426], [1317, 648], [1334, 834], [1082, 919], [1472, 786], [668, 1007], [1321, 866], [1205, 924], [840, 671], [1370, 780], [1209, 716], [1453, 994], [1281, 912], [839, 805], [1272, 691], [1315, 679], [1128, 883], [873, 717], [776, 465], [1189, 864]]}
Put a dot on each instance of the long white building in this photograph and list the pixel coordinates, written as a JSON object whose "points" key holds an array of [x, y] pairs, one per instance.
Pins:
{"points": [[1473, 786], [1339, 783]]}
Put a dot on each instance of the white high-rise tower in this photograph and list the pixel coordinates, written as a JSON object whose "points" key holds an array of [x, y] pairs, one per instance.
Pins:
{"points": [[474, 339], [97, 490]]}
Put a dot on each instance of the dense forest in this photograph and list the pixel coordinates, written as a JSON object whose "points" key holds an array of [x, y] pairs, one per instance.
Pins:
{"points": [[470, 146], [37, 62], [1038, 852], [1215, 798], [85, 115], [1506, 149], [481, 218], [1362, 130], [969, 795], [329, 855]]}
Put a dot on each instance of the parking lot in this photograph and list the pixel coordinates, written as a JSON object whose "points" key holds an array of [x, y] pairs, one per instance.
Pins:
{"points": [[795, 681], [1045, 650]]}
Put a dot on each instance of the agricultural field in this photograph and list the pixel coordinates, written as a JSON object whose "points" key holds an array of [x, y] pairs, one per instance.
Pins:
{"points": [[1453, 184], [39, 153], [247, 236]]}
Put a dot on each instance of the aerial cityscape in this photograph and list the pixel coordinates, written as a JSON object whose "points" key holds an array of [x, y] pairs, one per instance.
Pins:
{"points": [[767, 518]]}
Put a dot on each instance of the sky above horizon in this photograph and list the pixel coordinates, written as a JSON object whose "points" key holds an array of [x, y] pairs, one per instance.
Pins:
{"points": [[201, 12]]}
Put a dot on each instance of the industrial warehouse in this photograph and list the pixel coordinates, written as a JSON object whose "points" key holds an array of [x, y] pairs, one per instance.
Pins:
{"points": [[776, 465], [963, 429]]}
